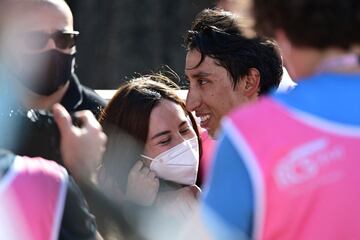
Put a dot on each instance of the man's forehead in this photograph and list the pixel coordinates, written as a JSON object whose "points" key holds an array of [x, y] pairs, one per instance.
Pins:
{"points": [[193, 69]]}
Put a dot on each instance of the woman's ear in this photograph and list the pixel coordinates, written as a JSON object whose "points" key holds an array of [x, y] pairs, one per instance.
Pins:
{"points": [[251, 83]]}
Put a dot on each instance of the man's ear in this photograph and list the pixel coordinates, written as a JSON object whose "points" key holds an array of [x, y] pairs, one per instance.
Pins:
{"points": [[251, 83]]}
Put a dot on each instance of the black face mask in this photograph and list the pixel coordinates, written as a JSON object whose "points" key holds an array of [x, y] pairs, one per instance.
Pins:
{"points": [[44, 73]]}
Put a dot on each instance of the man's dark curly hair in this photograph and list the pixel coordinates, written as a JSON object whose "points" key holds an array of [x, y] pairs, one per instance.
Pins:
{"points": [[312, 23], [219, 34]]}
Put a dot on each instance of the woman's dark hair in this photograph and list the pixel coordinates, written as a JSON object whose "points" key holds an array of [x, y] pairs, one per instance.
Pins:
{"points": [[126, 121], [312, 23], [220, 35]]}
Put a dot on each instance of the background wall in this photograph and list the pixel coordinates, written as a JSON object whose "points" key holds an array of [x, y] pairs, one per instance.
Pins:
{"points": [[119, 38]]}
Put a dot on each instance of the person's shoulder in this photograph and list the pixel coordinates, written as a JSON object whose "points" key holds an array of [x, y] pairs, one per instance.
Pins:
{"points": [[256, 119], [39, 168], [91, 101], [90, 97]]}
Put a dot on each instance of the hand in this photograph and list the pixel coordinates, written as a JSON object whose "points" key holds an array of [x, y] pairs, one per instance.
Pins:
{"points": [[81, 148], [142, 185], [180, 203]]}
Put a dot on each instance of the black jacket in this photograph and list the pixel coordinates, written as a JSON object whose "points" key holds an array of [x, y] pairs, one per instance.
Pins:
{"points": [[39, 135], [79, 97]]}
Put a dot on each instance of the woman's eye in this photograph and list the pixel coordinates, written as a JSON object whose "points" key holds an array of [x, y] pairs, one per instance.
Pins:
{"points": [[165, 141], [184, 131]]}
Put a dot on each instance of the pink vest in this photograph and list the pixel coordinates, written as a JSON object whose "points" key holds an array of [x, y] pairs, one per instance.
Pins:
{"points": [[305, 172], [32, 197]]}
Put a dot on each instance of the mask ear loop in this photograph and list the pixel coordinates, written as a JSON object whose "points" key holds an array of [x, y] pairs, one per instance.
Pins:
{"points": [[179, 134], [148, 158]]}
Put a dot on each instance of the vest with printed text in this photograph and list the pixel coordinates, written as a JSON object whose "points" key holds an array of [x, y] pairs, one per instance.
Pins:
{"points": [[304, 171]]}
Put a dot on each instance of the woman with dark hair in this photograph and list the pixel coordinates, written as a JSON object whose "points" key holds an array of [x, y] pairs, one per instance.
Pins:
{"points": [[153, 146]]}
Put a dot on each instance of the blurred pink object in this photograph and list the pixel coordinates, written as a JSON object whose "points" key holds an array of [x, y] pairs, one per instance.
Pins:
{"points": [[208, 145], [32, 197]]}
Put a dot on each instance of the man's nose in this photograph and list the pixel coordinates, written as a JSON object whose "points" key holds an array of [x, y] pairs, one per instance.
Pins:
{"points": [[193, 100], [50, 44]]}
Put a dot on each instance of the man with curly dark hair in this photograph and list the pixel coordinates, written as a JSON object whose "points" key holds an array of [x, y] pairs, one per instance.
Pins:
{"points": [[226, 66]]}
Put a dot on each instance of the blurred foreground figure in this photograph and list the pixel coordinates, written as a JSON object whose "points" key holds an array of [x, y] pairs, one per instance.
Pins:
{"points": [[38, 48], [287, 166], [38, 57], [38, 199]]}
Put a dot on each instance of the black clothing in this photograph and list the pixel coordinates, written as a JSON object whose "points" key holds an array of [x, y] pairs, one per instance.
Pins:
{"points": [[79, 97]]}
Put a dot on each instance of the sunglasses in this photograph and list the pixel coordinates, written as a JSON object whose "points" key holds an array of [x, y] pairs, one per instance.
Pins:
{"points": [[37, 40]]}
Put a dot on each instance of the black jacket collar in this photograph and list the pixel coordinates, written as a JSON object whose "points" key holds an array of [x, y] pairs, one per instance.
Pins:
{"points": [[74, 95]]}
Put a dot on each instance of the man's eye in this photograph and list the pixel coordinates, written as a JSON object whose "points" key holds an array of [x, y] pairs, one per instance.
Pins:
{"points": [[202, 82]]}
